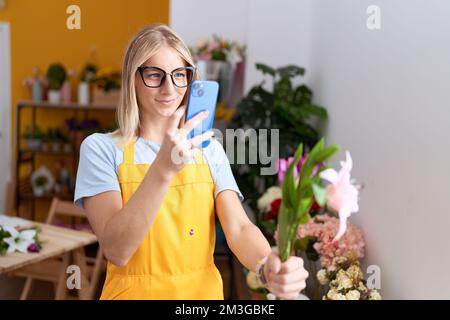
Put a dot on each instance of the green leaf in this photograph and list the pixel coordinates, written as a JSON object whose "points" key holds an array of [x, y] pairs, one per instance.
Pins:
{"points": [[302, 244], [302, 95], [315, 110], [265, 69], [327, 153], [290, 71], [319, 194], [310, 163], [288, 186]]}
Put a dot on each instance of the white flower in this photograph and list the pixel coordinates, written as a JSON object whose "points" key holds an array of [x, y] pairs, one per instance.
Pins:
{"points": [[234, 57], [334, 295], [19, 241], [374, 295], [345, 283], [353, 295], [322, 277], [343, 280], [361, 286], [355, 273], [268, 197], [332, 268]]}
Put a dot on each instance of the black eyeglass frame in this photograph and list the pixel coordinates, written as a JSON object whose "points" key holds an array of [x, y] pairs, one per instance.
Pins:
{"points": [[143, 68]]}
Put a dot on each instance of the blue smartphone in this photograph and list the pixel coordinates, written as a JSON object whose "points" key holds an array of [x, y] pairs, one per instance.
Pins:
{"points": [[202, 96]]}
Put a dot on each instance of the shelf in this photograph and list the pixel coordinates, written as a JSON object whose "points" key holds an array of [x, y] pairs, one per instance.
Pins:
{"points": [[24, 155], [65, 106], [31, 196], [48, 152]]}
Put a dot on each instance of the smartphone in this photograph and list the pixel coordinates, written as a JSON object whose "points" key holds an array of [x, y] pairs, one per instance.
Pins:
{"points": [[202, 96]]}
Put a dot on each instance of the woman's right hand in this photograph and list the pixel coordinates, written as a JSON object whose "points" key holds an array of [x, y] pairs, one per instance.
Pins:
{"points": [[176, 149]]}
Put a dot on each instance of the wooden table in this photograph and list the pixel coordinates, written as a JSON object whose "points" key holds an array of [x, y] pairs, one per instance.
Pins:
{"points": [[57, 241]]}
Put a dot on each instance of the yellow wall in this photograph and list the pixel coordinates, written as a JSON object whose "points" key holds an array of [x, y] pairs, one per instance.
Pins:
{"points": [[39, 37]]}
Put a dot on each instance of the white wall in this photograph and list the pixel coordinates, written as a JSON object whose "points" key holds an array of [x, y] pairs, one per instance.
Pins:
{"points": [[387, 93], [197, 19], [5, 107]]}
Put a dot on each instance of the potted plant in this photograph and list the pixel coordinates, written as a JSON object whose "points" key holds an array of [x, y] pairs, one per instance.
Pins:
{"points": [[59, 140], [65, 139], [284, 106], [218, 59], [107, 87], [87, 75], [45, 142], [33, 138], [52, 139], [56, 75]]}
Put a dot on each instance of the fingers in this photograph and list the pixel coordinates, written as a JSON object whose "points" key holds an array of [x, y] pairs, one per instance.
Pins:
{"points": [[292, 263], [283, 279], [175, 118], [287, 291], [200, 138], [182, 153], [194, 122], [288, 279], [273, 263]]}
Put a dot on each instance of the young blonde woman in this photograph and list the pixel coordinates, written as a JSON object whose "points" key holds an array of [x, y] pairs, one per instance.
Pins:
{"points": [[154, 216]]}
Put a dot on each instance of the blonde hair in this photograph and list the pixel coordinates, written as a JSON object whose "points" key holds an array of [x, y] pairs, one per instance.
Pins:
{"points": [[143, 46]]}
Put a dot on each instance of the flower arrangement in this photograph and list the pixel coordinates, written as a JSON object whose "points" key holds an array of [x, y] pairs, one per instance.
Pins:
{"points": [[86, 125], [25, 241], [42, 181], [316, 239], [36, 76], [346, 281], [268, 207], [312, 217], [217, 48], [300, 188], [88, 72]]}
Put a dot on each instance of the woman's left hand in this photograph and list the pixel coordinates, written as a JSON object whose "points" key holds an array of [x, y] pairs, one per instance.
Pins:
{"points": [[285, 280]]}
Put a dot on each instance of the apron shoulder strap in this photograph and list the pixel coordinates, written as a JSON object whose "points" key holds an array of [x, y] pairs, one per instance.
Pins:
{"points": [[199, 156], [128, 153]]}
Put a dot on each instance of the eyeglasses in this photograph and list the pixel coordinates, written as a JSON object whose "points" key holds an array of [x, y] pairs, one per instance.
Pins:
{"points": [[154, 77]]}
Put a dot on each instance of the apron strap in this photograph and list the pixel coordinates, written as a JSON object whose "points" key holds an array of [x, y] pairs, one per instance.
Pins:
{"points": [[128, 153], [199, 156]]}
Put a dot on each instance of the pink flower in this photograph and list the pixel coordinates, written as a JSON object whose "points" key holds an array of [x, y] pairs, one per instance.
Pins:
{"points": [[324, 227], [341, 194], [33, 248], [213, 45], [28, 82], [283, 165], [203, 56]]}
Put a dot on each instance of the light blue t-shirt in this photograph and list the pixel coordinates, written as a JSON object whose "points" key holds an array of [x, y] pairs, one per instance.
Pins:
{"points": [[100, 158]]}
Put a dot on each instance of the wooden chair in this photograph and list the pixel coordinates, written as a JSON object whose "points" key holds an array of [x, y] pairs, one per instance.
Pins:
{"points": [[49, 269]]}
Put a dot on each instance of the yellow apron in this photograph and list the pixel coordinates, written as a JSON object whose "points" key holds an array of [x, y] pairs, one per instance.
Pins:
{"points": [[175, 259]]}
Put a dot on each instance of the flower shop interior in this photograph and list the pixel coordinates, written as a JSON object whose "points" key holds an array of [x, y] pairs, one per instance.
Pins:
{"points": [[360, 85]]}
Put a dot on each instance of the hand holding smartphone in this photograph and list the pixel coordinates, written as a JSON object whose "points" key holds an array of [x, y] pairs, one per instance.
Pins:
{"points": [[202, 96]]}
